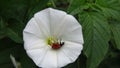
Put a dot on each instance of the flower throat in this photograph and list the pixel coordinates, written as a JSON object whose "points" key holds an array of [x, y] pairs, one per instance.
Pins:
{"points": [[55, 43]]}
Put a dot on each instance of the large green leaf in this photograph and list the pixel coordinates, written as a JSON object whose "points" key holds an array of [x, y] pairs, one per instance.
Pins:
{"points": [[76, 6], [96, 37], [110, 8], [115, 27]]}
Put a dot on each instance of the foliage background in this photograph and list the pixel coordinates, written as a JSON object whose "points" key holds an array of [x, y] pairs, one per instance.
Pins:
{"points": [[100, 20]]}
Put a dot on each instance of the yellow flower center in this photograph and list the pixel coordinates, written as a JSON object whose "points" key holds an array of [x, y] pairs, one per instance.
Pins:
{"points": [[51, 40]]}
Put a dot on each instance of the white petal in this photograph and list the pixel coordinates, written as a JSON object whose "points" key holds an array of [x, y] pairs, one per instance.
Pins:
{"points": [[42, 18], [56, 18], [50, 19], [34, 29], [71, 30], [33, 42], [62, 59], [69, 53], [50, 59], [37, 55]]}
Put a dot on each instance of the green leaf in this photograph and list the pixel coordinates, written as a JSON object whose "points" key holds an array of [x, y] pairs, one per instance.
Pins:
{"points": [[76, 6], [110, 8], [111, 61], [115, 27], [14, 36], [96, 37]]}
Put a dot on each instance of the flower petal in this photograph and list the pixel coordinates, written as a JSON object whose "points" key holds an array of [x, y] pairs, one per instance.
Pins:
{"points": [[56, 17], [42, 18], [33, 28], [37, 55], [62, 59], [33, 42], [69, 53], [50, 59], [71, 30], [49, 19]]}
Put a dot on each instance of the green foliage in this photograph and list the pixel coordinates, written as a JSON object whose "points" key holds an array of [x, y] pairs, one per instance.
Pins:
{"points": [[100, 20], [25, 61], [96, 37], [95, 17], [2, 26], [115, 28], [14, 14], [13, 9], [35, 6], [5, 50], [76, 6], [109, 8], [12, 35]]}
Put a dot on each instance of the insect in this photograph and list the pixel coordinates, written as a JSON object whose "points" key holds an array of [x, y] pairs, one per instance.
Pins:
{"points": [[57, 45], [62, 43]]}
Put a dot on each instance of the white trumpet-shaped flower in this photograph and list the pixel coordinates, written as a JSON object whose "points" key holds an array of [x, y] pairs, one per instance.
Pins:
{"points": [[53, 39]]}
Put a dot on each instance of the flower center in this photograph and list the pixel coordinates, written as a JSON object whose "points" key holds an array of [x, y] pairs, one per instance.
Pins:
{"points": [[54, 42]]}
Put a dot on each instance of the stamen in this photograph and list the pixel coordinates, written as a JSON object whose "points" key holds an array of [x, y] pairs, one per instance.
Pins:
{"points": [[50, 40], [55, 43]]}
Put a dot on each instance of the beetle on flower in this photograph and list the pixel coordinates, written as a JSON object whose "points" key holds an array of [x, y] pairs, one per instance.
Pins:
{"points": [[53, 38]]}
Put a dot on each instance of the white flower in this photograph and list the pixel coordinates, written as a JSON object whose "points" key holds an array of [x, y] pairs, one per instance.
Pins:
{"points": [[53, 39]]}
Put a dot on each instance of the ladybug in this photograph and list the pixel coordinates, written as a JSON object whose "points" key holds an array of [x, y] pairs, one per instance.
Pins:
{"points": [[57, 45]]}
